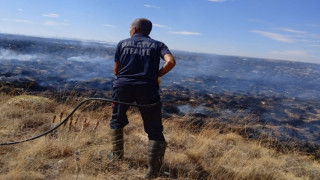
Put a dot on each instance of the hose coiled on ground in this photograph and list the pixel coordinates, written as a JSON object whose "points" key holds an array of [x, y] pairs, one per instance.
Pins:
{"points": [[73, 111]]}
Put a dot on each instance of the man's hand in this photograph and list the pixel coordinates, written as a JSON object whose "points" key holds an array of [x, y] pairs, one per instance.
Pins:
{"points": [[170, 62]]}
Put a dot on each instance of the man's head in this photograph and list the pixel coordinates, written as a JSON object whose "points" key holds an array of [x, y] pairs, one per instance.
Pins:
{"points": [[141, 25]]}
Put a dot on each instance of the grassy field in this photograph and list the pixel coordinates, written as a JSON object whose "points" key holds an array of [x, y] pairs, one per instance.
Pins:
{"points": [[78, 150]]}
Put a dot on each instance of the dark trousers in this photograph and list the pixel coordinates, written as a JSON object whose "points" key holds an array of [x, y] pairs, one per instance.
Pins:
{"points": [[151, 116]]}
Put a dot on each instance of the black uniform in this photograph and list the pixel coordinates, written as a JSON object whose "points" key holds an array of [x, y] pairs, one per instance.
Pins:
{"points": [[137, 80]]}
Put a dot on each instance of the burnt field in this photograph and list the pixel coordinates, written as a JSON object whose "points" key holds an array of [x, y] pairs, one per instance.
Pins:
{"points": [[269, 100]]}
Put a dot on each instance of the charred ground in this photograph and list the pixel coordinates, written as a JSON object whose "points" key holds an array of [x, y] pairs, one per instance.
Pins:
{"points": [[268, 100]]}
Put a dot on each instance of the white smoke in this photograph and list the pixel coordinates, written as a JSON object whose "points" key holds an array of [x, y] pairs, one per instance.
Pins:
{"points": [[90, 59], [6, 54]]}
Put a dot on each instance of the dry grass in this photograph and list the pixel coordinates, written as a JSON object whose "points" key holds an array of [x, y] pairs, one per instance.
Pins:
{"points": [[79, 149]]}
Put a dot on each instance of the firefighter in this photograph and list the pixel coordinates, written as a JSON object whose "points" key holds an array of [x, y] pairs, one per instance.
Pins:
{"points": [[137, 70]]}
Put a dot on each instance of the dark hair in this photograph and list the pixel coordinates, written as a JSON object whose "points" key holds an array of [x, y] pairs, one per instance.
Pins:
{"points": [[143, 25]]}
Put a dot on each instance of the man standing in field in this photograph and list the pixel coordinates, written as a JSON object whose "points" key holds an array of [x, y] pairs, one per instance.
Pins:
{"points": [[137, 61]]}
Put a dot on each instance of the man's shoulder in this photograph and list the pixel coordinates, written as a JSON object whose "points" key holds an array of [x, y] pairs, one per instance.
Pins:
{"points": [[141, 38], [140, 42], [154, 41], [124, 40]]}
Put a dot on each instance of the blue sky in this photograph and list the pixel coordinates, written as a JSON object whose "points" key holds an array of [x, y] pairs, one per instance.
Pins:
{"points": [[274, 29]]}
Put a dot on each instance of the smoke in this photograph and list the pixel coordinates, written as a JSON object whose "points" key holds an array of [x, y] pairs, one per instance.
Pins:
{"points": [[63, 61], [86, 58], [6, 54], [56, 70], [219, 74]]}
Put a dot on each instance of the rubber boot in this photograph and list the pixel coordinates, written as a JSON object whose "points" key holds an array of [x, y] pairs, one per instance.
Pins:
{"points": [[117, 144], [156, 151]]}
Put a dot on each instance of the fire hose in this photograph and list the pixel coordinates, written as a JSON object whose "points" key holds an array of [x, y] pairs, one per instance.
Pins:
{"points": [[73, 111]]}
